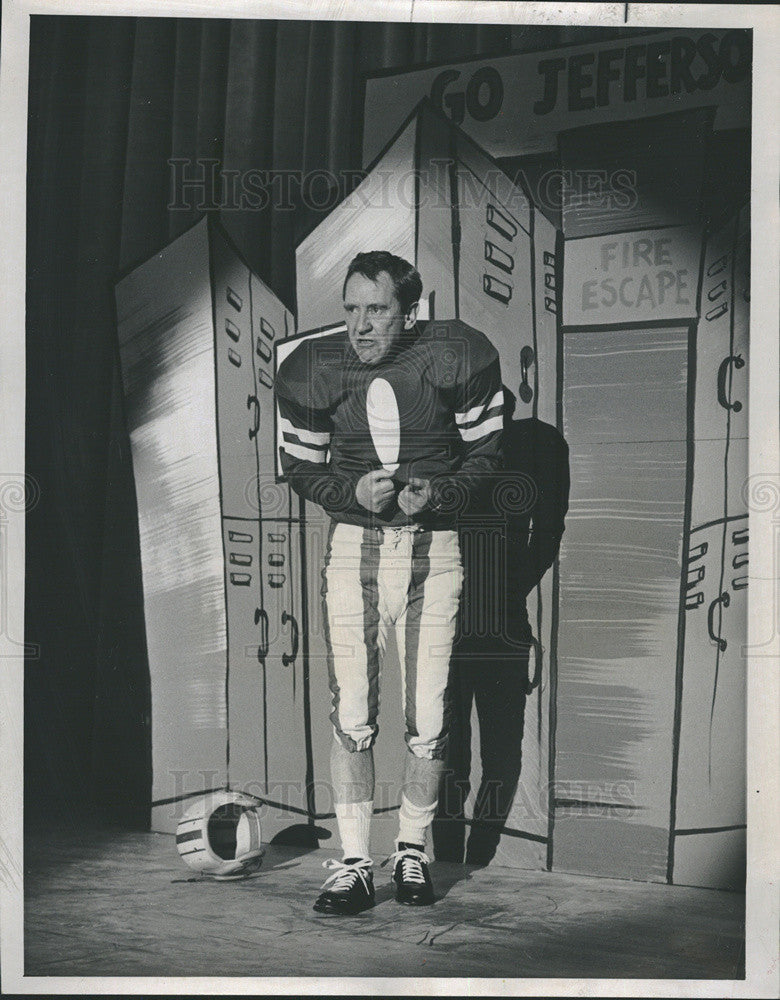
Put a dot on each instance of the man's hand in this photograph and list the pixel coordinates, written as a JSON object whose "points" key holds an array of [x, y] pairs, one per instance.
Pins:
{"points": [[414, 496], [375, 490]]}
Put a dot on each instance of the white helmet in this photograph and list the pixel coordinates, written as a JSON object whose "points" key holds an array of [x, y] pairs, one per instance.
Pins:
{"points": [[219, 835]]}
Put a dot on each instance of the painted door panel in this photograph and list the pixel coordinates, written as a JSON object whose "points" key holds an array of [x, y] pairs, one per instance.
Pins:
{"points": [[247, 647], [271, 323], [237, 413], [285, 715], [711, 770], [546, 277], [494, 276], [713, 340], [708, 498], [625, 421], [738, 387]]}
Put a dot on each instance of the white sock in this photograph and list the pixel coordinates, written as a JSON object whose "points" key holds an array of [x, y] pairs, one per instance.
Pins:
{"points": [[414, 821], [354, 820]]}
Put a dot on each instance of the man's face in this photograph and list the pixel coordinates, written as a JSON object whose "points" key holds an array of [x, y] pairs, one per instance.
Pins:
{"points": [[375, 320]]}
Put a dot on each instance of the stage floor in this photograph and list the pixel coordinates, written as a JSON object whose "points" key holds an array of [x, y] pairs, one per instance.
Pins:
{"points": [[116, 903]]}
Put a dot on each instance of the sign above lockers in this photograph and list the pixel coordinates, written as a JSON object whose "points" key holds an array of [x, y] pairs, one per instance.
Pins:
{"points": [[635, 277], [517, 104]]}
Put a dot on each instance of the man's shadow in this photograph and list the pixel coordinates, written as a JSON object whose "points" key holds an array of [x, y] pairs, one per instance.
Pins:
{"points": [[509, 536]]}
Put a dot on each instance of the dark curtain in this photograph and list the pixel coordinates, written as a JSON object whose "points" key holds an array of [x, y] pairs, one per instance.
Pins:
{"points": [[111, 102]]}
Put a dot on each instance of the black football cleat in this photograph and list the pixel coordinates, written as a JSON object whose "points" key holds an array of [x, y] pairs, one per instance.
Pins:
{"points": [[413, 886], [349, 890]]}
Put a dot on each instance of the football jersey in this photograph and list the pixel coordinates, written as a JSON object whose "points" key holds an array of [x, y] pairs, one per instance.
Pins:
{"points": [[439, 417]]}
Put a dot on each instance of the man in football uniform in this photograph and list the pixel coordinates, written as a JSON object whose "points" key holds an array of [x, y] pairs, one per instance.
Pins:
{"points": [[389, 427]]}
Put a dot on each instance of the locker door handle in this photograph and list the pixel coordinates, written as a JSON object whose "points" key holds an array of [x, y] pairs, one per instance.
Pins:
{"points": [[695, 575], [500, 222], [725, 600], [496, 289], [717, 266], [250, 402], [288, 658], [527, 357], [723, 371], [697, 552], [261, 619], [495, 255], [716, 291], [716, 312]]}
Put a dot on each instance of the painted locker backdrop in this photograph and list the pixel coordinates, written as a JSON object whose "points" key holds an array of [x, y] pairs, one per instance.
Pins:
{"points": [[709, 828], [469, 231], [220, 550], [639, 719]]}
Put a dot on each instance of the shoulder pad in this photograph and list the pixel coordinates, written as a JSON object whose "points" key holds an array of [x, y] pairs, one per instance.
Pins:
{"points": [[314, 369], [453, 344]]}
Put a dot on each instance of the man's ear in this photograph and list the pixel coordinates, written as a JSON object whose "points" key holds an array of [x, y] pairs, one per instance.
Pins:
{"points": [[411, 315]]}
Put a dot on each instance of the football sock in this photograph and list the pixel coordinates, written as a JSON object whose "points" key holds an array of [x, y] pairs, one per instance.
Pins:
{"points": [[414, 822], [419, 798], [354, 821]]}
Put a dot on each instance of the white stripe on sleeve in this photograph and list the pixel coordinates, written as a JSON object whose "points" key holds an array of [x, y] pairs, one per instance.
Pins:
{"points": [[476, 411], [481, 430], [307, 454], [308, 437]]}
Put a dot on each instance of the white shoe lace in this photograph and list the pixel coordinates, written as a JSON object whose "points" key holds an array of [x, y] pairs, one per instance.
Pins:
{"points": [[344, 875], [411, 861]]}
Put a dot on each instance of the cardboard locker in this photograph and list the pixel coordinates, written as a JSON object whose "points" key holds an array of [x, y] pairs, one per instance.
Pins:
{"points": [[720, 415], [237, 414], [194, 331], [271, 323], [166, 343], [710, 808], [247, 648], [711, 772], [285, 687]]}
